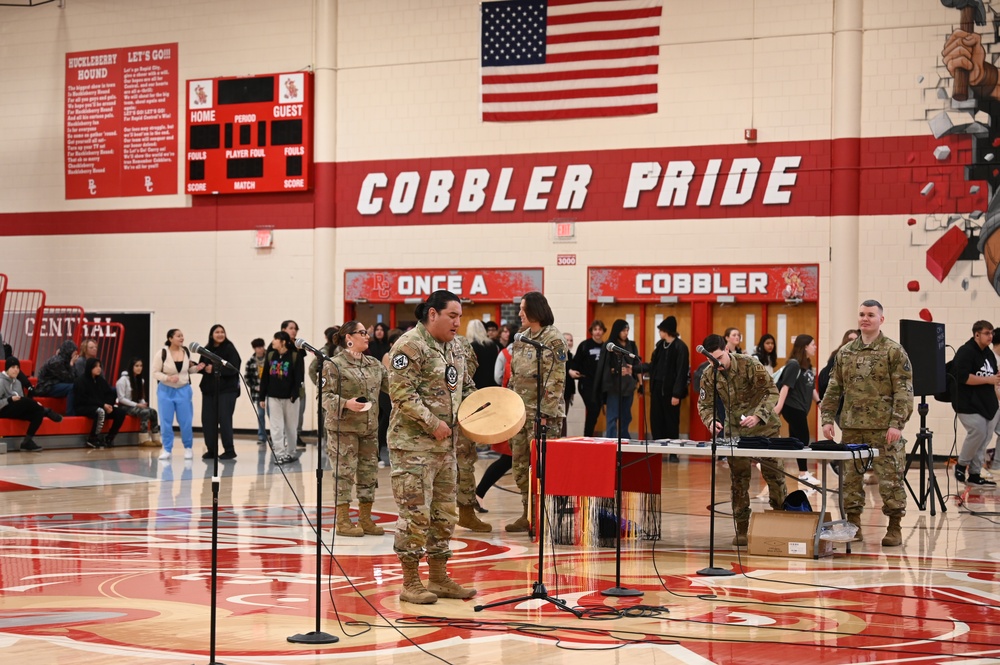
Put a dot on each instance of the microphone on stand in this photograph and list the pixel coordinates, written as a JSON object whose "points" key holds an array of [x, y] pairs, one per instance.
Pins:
{"points": [[522, 337], [614, 348], [302, 344], [712, 359], [195, 347]]}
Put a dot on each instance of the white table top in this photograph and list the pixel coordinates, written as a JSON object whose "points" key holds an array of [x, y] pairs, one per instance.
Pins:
{"points": [[725, 449]]}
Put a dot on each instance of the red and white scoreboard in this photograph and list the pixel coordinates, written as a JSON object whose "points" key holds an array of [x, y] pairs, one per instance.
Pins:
{"points": [[250, 134]]}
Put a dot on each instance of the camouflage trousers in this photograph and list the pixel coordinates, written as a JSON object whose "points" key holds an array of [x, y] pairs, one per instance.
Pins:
{"points": [[520, 448], [465, 453], [423, 484], [356, 460], [770, 468], [888, 466]]}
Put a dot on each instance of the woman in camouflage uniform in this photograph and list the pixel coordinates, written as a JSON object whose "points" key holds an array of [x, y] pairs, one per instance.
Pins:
{"points": [[351, 383]]}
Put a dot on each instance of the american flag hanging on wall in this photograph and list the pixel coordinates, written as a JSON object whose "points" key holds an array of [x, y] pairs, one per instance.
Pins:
{"points": [[557, 59]]}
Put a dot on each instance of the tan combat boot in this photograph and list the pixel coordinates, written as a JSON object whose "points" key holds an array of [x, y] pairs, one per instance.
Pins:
{"points": [[467, 518], [893, 535], [520, 525], [345, 527], [365, 521], [443, 586], [413, 589], [855, 519], [740, 539]]}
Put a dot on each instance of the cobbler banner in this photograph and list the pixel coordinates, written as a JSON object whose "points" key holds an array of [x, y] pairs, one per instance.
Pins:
{"points": [[744, 283]]}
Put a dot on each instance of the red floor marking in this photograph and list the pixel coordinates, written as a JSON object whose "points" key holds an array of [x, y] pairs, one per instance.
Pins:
{"points": [[14, 487]]}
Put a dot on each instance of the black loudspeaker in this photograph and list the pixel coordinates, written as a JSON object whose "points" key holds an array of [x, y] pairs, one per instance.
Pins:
{"points": [[924, 343]]}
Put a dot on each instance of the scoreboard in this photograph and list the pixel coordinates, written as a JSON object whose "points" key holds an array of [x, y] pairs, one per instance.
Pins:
{"points": [[250, 134]]}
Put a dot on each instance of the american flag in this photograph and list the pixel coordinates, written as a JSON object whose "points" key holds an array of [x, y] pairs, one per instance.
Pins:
{"points": [[549, 59]]}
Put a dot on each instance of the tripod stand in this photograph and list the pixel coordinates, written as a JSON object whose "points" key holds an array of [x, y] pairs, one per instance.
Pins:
{"points": [[538, 590], [618, 590], [923, 449], [712, 571]]}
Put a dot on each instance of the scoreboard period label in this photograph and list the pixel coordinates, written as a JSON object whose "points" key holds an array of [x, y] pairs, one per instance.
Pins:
{"points": [[250, 134]]}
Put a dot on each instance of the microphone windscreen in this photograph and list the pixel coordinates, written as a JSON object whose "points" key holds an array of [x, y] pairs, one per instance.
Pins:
{"points": [[194, 347], [299, 342]]}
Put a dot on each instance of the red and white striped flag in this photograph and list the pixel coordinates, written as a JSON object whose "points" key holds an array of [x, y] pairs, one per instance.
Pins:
{"points": [[554, 59]]}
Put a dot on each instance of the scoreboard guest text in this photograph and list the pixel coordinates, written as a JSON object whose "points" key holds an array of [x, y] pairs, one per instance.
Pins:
{"points": [[250, 134]]}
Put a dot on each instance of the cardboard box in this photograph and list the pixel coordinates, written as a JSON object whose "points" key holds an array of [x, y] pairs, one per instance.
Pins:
{"points": [[787, 534]]}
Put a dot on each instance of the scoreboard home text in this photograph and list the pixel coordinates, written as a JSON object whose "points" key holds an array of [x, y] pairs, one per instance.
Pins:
{"points": [[249, 134]]}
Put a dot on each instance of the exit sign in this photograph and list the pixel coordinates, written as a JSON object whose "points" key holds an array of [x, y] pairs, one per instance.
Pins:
{"points": [[564, 231]]}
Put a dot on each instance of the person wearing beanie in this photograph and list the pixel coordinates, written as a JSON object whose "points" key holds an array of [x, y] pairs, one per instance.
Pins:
{"points": [[670, 367], [17, 405]]}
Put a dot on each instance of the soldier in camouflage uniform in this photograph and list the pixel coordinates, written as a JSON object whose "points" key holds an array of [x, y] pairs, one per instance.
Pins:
{"points": [[428, 380], [466, 454], [874, 376], [749, 396], [352, 432], [536, 321]]}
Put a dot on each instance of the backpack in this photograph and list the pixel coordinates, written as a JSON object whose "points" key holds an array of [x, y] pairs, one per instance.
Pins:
{"points": [[950, 384], [776, 377]]}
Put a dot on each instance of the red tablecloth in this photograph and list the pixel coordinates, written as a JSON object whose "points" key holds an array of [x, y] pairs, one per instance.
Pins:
{"points": [[586, 467]]}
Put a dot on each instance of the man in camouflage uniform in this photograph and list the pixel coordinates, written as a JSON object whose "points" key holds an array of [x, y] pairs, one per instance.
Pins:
{"points": [[873, 374], [749, 395], [537, 325], [428, 379], [465, 452]]}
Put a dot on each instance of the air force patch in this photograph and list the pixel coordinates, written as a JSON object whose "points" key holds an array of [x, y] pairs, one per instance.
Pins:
{"points": [[400, 361]]}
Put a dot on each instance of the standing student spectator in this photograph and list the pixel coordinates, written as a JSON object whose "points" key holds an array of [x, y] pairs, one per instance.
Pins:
{"points": [[585, 363], [571, 376], [766, 353], [975, 402], [252, 372], [16, 404], [874, 376], [352, 382], [796, 394], [750, 394], [88, 350], [538, 325], [134, 398], [733, 339], [280, 388], [172, 368], [669, 368], [493, 332], [292, 329], [486, 354], [379, 341], [506, 335], [385, 406], [616, 383], [219, 422], [96, 399], [56, 377], [329, 349]]}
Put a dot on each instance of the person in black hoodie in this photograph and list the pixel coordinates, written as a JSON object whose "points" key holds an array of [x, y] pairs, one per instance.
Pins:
{"points": [[669, 369], [95, 399], [56, 377], [215, 420], [617, 388], [976, 377], [284, 367], [585, 364]]}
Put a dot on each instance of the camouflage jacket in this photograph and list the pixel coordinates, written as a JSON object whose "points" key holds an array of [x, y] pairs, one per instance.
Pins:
{"points": [[524, 365], [876, 382], [745, 389], [471, 359], [346, 377], [427, 382]]}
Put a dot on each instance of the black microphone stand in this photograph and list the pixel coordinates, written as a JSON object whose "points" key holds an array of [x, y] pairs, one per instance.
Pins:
{"points": [[538, 590], [216, 484], [712, 571], [618, 590], [317, 636]]}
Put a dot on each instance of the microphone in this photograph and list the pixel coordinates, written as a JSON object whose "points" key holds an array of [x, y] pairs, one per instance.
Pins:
{"points": [[712, 359], [522, 337], [302, 344], [202, 351], [614, 348]]}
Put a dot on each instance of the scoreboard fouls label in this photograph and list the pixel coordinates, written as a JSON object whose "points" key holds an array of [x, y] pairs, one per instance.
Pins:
{"points": [[251, 134]]}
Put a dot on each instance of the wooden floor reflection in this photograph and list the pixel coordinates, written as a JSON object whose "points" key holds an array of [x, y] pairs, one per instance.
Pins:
{"points": [[106, 558]]}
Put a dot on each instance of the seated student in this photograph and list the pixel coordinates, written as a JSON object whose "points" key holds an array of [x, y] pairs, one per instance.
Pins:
{"points": [[56, 377], [17, 404], [96, 399], [134, 398]]}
